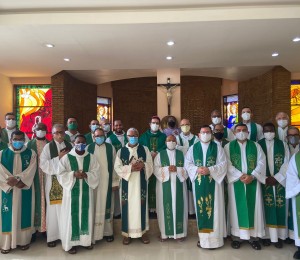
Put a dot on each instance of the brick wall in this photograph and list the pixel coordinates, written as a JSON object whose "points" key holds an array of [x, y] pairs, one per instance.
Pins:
{"points": [[71, 96], [267, 94], [199, 96]]}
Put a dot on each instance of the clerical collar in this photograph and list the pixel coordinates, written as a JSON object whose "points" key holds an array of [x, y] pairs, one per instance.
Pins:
{"points": [[119, 134]]}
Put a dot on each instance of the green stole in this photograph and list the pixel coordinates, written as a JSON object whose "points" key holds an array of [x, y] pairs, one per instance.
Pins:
{"points": [[109, 156], [253, 133], [225, 132], [245, 195], [155, 143], [7, 160], [205, 188], [275, 207], [143, 184], [4, 136], [108, 134], [85, 200], [3, 146], [167, 196], [89, 138], [37, 195], [67, 138], [56, 191], [116, 142]]}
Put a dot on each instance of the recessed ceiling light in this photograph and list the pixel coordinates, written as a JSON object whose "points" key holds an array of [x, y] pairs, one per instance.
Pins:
{"points": [[49, 45], [170, 43], [169, 57], [275, 54], [297, 39], [67, 59]]}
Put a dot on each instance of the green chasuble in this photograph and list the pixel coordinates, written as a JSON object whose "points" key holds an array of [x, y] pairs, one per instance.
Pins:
{"points": [[205, 188], [116, 142], [89, 138], [225, 132], [3, 146], [67, 138], [155, 143], [167, 196], [80, 227], [56, 191], [275, 206], [7, 160], [253, 134], [245, 195], [108, 134], [4, 136], [124, 156], [109, 156], [37, 189]]}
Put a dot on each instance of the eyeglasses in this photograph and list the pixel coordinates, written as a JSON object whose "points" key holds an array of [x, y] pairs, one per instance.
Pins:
{"points": [[59, 133]]}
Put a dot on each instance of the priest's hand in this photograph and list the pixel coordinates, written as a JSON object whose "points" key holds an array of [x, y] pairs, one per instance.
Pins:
{"points": [[172, 168], [20, 185], [62, 153], [153, 154], [80, 175], [12, 181], [135, 167], [115, 188], [247, 179], [203, 170], [271, 181]]}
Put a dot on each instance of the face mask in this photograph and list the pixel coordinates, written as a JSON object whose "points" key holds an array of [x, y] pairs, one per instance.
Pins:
{"points": [[94, 127], [18, 144], [242, 136], [293, 140], [282, 123], [133, 140], [205, 138], [154, 127], [106, 128], [171, 145], [40, 133], [171, 124], [72, 126], [10, 123], [185, 128], [80, 147], [269, 136], [219, 135], [216, 120], [99, 140], [246, 116]]}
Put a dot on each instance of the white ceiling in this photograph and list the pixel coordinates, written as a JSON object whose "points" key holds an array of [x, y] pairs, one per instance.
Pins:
{"points": [[233, 42]]}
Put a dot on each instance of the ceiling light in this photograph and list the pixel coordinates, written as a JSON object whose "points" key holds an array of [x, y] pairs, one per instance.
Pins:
{"points": [[67, 59], [170, 43], [49, 45], [275, 54], [169, 58], [297, 39]]}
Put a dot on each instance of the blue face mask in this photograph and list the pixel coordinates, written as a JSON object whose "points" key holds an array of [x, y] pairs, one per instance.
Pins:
{"points": [[18, 144], [99, 140], [133, 140], [94, 127], [80, 147]]}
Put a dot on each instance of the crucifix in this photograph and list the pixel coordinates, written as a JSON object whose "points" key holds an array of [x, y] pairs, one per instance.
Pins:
{"points": [[169, 88]]}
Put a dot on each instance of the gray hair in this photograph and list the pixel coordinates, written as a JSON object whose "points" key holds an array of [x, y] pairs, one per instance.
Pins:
{"points": [[283, 113], [55, 126], [293, 128], [132, 129]]}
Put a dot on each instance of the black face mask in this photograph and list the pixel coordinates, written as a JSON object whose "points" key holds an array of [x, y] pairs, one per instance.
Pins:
{"points": [[219, 135], [171, 124]]}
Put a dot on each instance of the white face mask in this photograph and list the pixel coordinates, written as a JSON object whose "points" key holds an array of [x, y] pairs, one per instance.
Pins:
{"points": [[185, 128], [216, 120], [246, 116], [154, 127], [269, 136], [106, 128], [11, 123], [40, 133], [205, 138], [242, 136], [282, 123], [171, 145]]}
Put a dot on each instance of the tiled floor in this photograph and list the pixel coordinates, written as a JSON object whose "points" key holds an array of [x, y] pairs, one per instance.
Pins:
{"points": [[154, 251]]}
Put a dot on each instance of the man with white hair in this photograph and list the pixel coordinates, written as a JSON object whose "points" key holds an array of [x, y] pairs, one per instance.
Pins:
{"points": [[49, 162], [134, 165], [282, 120]]}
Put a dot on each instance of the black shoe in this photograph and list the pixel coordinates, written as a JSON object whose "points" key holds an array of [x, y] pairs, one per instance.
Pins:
{"points": [[289, 241], [297, 254], [51, 244], [236, 244], [255, 245], [109, 238], [33, 238], [279, 244], [266, 242]]}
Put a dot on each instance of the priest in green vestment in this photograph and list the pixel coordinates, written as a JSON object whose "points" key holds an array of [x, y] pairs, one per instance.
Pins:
{"points": [[206, 164], [275, 203], [17, 170], [171, 192], [246, 172], [155, 140], [254, 129], [72, 131], [79, 176], [134, 165], [89, 136], [282, 119], [105, 125]]}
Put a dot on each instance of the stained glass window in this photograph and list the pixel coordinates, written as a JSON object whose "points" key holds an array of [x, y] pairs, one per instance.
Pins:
{"points": [[34, 105], [103, 108], [295, 103], [230, 110]]}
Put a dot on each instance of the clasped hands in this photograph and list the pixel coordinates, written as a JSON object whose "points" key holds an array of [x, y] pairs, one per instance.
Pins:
{"points": [[80, 174], [14, 182], [203, 170], [271, 181], [137, 166], [247, 179]]}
